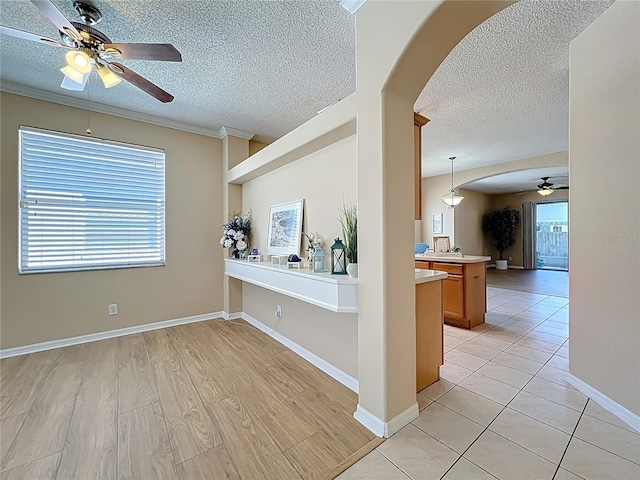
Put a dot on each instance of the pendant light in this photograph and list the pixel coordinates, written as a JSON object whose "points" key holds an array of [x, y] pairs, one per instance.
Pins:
{"points": [[452, 198]]}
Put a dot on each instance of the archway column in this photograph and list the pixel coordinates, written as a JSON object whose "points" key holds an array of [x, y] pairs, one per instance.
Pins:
{"points": [[399, 46]]}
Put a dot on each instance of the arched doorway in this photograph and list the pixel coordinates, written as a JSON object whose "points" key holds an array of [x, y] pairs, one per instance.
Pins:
{"points": [[399, 47]]}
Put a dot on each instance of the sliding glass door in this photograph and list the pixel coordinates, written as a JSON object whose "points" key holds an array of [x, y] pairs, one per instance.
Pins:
{"points": [[552, 235], [545, 235]]}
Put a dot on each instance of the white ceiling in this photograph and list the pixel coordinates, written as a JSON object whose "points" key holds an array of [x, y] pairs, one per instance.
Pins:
{"points": [[260, 66], [522, 181], [502, 94], [266, 67]]}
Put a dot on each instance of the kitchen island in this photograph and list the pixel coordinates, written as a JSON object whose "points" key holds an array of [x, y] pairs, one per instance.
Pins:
{"points": [[429, 326], [465, 288]]}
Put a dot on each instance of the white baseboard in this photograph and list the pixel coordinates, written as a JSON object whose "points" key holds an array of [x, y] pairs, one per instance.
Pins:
{"points": [[386, 429], [94, 337], [612, 406], [231, 316], [516, 267], [347, 380]]}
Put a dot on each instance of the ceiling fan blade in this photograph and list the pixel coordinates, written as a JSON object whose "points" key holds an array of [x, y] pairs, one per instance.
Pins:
{"points": [[140, 82], [144, 51], [50, 11], [12, 32]]}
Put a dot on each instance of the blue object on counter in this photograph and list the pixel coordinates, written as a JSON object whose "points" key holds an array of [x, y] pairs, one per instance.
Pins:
{"points": [[420, 248]]}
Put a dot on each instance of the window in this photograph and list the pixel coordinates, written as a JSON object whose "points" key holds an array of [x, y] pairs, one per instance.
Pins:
{"points": [[88, 204]]}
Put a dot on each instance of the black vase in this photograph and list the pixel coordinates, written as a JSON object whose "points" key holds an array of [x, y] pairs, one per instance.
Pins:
{"points": [[236, 253]]}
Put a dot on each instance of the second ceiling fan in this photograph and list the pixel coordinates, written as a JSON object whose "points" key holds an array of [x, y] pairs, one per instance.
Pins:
{"points": [[547, 188], [88, 47]]}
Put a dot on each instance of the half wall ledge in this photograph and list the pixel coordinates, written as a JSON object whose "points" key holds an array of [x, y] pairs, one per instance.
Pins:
{"points": [[336, 293]]}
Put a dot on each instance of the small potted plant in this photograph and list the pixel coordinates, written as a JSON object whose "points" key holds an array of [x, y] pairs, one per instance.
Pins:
{"points": [[501, 225], [349, 222]]}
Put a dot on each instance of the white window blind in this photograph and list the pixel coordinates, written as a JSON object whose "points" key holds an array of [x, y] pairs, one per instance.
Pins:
{"points": [[89, 204]]}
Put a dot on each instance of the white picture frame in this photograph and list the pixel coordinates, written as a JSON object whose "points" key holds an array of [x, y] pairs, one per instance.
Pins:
{"points": [[441, 244], [436, 222], [285, 228]]}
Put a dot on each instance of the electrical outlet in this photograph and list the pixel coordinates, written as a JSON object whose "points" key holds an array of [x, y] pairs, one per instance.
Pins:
{"points": [[113, 309], [510, 258], [279, 311]]}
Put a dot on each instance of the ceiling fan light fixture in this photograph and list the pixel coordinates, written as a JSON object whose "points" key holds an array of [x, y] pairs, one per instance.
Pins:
{"points": [[109, 78], [69, 84], [546, 191], [79, 61], [452, 198], [73, 74]]}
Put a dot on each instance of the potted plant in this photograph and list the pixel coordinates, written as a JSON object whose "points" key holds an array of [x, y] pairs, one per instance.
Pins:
{"points": [[349, 222], [501, 225]]}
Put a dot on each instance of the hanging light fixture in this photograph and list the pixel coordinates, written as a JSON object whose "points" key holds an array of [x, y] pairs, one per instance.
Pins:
{"points": [[452, 198], [546, 191]]}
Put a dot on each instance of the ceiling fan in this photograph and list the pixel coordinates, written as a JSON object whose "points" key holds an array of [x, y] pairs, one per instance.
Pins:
{"points": [[547, 188], [88, 46]]}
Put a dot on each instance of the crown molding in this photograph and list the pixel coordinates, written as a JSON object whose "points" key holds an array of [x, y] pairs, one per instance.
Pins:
{"points": [[351, 6], [234, 132], [17, 89]]}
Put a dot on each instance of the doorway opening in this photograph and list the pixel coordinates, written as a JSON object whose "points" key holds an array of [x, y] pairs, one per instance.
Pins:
{"points": [[552, 235], [545, 235]]}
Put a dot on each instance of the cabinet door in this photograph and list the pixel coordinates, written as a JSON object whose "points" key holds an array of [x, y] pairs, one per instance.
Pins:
{"points": [[422, 265], [453, 297]]}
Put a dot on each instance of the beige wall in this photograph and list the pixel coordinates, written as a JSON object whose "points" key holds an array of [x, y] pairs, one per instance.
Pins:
{"points": [[323, 179], [604, 324], [255, 146], [433, 188], [42, 307], [468, 222], [331, 336], [513, 200]]}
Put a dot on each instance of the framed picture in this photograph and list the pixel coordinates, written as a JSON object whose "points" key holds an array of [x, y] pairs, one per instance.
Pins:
{"points": [[441, 244], [285, 228], [436, 222]]}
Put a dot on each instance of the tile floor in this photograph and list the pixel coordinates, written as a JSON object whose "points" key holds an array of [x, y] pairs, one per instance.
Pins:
{"points": [[502, 408]]}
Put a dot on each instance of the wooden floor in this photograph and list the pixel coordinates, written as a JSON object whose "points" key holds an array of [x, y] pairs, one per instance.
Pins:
{"points": [[546, 282], [208, 400]]}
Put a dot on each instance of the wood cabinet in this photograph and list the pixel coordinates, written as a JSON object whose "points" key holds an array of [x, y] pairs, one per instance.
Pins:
{"points": [[464, 296], [429, 333], [418, 122]]}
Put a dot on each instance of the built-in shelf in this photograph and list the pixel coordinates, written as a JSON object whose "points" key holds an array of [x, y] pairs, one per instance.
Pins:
{"points": [[337, 293]]}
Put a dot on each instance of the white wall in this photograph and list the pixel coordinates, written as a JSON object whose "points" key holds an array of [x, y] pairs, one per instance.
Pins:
{"points": [[604, 205]]}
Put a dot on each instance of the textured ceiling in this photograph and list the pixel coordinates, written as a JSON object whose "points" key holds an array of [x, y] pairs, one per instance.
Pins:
{"points": [[268, 66], [260, 66], [502, 94], [522, 181]]}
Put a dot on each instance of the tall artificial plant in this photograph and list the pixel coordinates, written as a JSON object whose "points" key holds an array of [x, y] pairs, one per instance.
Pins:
{"points": [[501, 225], [349, 222]]}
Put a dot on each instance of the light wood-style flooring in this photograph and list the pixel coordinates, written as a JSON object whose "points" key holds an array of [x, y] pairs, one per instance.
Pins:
{"points": [[208, 400], [544, 282]]}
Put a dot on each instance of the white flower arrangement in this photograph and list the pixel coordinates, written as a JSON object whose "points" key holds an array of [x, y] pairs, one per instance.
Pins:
{"points": [[236, 233], [313, 243]]}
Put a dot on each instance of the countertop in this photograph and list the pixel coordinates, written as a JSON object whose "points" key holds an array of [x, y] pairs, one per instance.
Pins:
{"points": [[424, 276], [451, 258]]}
